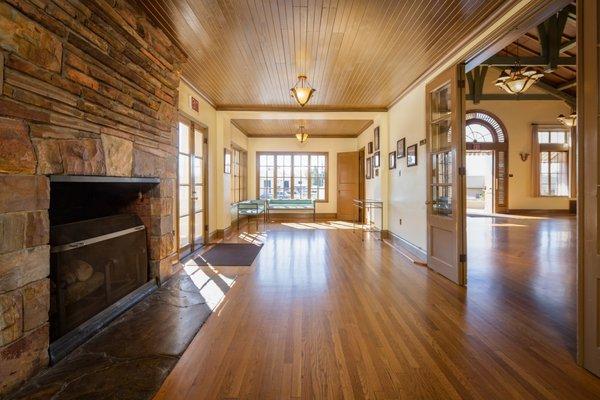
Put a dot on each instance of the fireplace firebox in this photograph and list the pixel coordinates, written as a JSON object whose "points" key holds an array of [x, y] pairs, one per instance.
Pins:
{"points": [[94, 263], [98, 254]]}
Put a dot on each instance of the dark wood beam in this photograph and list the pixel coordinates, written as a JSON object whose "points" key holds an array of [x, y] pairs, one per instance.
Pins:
{"points": [[568, 45], [559, 94], [509, 61], [513, 97], [475, 80], [567, 85]]}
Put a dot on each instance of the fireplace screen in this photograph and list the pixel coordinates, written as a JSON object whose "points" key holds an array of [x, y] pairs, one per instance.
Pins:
{"points": [[94, 263]]}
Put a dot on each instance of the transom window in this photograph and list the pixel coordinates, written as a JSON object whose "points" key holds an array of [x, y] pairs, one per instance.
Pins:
{"points": [[292, 176], [478, 133]]}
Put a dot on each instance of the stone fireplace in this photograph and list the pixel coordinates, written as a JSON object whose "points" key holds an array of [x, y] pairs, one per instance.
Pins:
{"points": [[86, 89]]}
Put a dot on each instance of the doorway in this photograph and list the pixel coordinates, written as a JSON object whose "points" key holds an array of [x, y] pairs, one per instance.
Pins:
{"points": [[480, 182], [192, 221]]}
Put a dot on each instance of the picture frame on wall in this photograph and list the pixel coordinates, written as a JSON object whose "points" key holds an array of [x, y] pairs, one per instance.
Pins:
{"points": [[392, 160], [376, 160], [401, 148], [411, 155], [369, 168], [376, 139], [227, 161], [370, 147]]}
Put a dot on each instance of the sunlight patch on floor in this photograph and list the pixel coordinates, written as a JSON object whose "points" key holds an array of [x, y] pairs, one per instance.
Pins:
{"points": [[206, 283], [329, 225]]}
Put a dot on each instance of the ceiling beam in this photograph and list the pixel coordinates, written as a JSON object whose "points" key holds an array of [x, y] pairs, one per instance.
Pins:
{"points": [[509, 61], [567, 85], [559, 94], [568, 45], [513, 97]]}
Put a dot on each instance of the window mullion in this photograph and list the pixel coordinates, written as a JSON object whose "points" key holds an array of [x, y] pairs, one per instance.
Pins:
{"points": [[292, 185], [309, 177]]}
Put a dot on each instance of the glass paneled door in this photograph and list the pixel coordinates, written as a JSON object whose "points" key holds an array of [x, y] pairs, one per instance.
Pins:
{"points": [[445, 175], [192, 224]]}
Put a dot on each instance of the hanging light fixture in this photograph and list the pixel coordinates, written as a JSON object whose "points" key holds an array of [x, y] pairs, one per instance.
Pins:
{"points": [[569, 121], [302, 91], [302, 136], [517, 79]]}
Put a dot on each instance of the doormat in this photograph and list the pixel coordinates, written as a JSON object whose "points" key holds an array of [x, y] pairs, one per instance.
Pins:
{"points": [[229, 255]]}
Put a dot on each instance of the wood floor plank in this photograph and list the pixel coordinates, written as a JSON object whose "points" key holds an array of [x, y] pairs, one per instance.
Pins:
{"points": [[323, 315]]}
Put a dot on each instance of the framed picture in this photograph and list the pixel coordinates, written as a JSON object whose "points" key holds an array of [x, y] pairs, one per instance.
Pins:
{"points": [[376, 160], [411, 155], [227, 161], [369, 168], [392, 160], [401, 148], [370, 147], [376, 139]]}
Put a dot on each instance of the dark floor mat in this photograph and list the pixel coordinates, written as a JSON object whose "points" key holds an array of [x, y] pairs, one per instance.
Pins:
{"points": [[230, 255]]}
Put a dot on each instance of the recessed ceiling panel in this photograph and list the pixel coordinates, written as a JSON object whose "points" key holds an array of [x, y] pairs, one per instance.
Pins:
{"points": [[289, 127]]}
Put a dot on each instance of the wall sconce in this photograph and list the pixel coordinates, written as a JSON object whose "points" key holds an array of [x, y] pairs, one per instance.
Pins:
{"points": [[524, 156]]}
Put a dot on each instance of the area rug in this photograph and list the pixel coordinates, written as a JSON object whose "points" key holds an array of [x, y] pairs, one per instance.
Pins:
{"points": [[230, 255]]}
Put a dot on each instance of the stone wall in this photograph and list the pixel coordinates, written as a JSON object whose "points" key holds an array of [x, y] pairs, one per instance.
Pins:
{"points": [[87, 87]]}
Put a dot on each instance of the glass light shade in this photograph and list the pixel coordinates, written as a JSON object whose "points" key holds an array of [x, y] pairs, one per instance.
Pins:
{"points": [[302, 91], [517, 80], [569, 121], [301, 135]]}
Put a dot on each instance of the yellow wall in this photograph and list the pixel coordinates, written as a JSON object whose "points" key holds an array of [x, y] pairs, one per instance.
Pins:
{"points": [[332, 146], [407, 192]]}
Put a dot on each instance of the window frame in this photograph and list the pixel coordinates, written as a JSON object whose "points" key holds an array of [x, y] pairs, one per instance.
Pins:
{"points": [[242, 174], [292, 154], [539, 148]]}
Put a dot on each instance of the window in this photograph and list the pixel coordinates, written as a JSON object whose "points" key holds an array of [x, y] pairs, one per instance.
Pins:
{"points": [[551, 155], [292, 176], [478, 133], [239, 166]]}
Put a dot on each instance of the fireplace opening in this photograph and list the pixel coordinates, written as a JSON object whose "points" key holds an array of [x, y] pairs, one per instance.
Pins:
{"points": [[98, 256]]}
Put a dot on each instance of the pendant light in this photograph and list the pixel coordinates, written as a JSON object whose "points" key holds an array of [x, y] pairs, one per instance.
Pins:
{"points": [[302, 136], [302, 91], [569, 121], [517, 79]]}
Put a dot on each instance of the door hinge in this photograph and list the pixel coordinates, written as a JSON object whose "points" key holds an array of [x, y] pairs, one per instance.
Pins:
{"points": [[205, 141], [462, 258], [206, 227], [461, 83], [462, 170]]}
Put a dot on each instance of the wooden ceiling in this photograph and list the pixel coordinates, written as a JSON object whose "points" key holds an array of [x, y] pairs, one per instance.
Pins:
{"points": [[289, 127], [358, 54], [563, 77]]}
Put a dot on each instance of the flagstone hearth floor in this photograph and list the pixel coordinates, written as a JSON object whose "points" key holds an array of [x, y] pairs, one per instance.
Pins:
{"points": [[131, 357]]}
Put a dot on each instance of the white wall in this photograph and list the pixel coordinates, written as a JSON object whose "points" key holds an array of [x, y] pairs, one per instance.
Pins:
{"points": [[407, 185], [332, 146]]}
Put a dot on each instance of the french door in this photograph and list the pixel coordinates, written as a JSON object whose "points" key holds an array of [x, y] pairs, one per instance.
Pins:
{"points": [[446, 248], [192, 220]]}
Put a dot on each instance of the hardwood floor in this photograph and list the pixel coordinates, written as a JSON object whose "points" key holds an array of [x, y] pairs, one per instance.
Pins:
{"points": [[322, 315]]}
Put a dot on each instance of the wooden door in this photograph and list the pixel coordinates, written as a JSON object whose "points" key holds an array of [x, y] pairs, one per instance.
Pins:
{"points": [[446, 203], [199, 193], [588, 109], [361, 182], [347, 185]]}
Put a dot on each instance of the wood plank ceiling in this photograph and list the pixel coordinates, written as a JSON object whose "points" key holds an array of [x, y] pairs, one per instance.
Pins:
{"points": [[358, 54], [289, 127]]}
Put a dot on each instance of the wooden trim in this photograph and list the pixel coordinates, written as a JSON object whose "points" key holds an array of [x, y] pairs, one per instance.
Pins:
{"points": [[334, 136], [216, 236], [307, 109], [515, 211], [535, 162], [414, 253], [292, 153]]}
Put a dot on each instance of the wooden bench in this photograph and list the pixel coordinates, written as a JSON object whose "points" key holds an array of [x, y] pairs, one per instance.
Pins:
{"points": [[291, 205], [251, 208]]}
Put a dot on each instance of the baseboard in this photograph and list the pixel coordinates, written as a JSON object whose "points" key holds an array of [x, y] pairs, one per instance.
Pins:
{"points": [[540, 212], [415, 253], [216, 235]]}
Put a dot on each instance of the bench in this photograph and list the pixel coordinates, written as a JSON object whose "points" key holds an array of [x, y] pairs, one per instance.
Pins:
{"points": [[291, 205], [249, 209]]}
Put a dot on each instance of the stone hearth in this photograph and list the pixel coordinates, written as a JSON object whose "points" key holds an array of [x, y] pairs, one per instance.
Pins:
{"points": [[134, 354], [86, 88]]}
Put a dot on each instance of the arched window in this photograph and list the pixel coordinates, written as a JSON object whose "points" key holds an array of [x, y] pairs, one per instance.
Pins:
{"points": [[484, 128]]}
